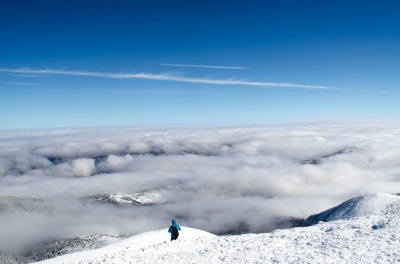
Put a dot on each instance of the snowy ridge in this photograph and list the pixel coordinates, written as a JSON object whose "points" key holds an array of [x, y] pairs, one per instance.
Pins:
{"points": [[371, 204]]}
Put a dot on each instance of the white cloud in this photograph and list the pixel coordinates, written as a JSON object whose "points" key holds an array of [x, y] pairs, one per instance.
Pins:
{"points": [[214, 178], [163, 77]]}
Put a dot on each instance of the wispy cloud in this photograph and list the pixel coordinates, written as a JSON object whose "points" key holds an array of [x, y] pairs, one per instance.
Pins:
{"points": [[162, 77], [202, 66], [26, 75], [377, 91], [24, 84]]}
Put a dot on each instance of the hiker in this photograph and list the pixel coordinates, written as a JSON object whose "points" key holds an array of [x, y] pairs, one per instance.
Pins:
{"points": [[173, 229]]}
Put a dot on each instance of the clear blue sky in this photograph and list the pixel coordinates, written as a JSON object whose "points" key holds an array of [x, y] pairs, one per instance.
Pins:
{"points": [[92, 63]]}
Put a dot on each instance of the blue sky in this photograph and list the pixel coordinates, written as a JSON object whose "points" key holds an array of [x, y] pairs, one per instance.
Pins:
{"points": [[98, 63]]}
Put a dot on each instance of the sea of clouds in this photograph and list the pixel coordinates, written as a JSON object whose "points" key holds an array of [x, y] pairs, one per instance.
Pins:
{"points": [[219, 179]]}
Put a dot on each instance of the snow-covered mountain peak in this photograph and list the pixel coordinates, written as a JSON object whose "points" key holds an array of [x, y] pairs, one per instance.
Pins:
{"points": [[366, 205]]}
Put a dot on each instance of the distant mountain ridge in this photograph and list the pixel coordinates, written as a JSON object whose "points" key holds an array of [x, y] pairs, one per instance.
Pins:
{"points": [[140, 198], [317, 161]]}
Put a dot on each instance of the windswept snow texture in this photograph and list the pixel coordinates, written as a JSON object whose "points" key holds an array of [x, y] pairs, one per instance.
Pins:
{"points": [[219, 179], [372, 204], [343, 241]]}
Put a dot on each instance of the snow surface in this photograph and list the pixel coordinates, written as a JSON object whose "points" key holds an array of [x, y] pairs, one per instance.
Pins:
{"points": [[368, 233], [136, 243]]}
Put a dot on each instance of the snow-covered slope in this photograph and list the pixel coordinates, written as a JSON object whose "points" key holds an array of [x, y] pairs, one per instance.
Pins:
{"points": [[365, 231], [372, 204], [370, 239]]}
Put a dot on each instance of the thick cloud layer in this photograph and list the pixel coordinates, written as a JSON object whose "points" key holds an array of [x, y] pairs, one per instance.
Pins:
{"points": [[219, 179]]}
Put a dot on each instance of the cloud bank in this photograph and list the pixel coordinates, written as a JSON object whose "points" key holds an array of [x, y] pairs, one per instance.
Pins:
{"points": [[218, 179], [161, 77]]}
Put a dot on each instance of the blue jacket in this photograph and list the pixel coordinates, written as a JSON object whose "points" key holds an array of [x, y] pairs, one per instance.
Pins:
{"points": [[175, 225]]}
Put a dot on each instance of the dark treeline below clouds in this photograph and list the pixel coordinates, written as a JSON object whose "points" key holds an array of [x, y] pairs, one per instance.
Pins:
{"points": [[218, 179]]}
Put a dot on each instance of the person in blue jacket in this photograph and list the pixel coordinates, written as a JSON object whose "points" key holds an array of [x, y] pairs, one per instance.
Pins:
{"points": [[173, 229]]}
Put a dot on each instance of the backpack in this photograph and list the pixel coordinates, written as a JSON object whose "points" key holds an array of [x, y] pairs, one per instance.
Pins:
{"points": [[175, 232]]}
